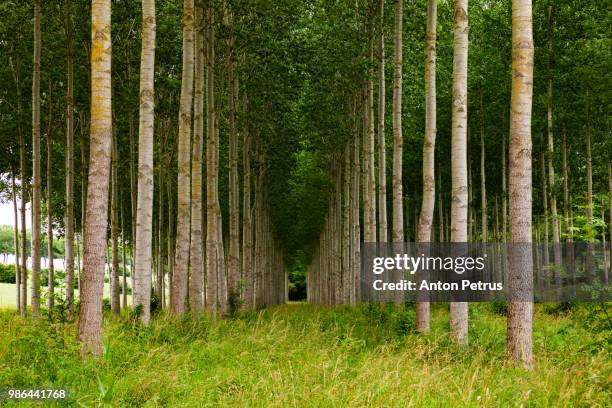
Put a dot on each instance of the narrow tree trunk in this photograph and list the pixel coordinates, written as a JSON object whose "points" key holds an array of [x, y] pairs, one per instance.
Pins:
{"points": [[355, 221], [114, 278], [610, 214], [181, 262], [589, 168], [520, 279], [429, 144], [171, 240], [504, 175], [370, 179], [544, 201], [382, 158], [159, 281], [90, 316], [459, 203], [566, 196], [50, 268], [16, 240], [36, 180], [398, 140], [234, 190], [247, 223], [69, 208], [123, 245], [483, 183]]}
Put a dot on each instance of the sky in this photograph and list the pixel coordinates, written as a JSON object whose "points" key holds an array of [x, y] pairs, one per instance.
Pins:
{"points": [[6, 214]]}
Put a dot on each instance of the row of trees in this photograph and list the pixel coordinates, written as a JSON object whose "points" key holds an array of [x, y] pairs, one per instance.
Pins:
{"points": [[334, 275], [270, 109]]}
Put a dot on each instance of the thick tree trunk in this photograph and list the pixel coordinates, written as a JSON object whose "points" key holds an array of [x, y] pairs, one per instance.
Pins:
{"points": [[69, 208], [398, 140], [520, 277], [215, 258], [181, 261], [196, 283], [90, 316], [36, 180], [459, 203], [144, 211], [429, 144]]}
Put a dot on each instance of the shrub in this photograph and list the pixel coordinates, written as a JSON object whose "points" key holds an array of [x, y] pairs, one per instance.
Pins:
{"points": [[7, 273]]}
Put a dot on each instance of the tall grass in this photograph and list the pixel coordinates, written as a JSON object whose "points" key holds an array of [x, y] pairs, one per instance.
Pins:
{"points": [[306, 356]]}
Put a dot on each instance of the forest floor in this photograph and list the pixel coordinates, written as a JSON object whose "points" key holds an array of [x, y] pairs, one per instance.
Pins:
{"points": [[306, 356]]}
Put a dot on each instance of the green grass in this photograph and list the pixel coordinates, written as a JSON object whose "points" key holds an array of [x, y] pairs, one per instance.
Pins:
{"points": [[8, 294], [305, 356]]}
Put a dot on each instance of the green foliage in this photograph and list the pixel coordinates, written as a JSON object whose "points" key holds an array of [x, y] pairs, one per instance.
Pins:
{"points": [[7, 273]]}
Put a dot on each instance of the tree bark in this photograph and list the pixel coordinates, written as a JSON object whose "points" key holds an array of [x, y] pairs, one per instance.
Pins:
{"points": [[50, 269], [520, 277], [483, 181], [234, 190], [69, 209], [90, 316], [181, 262], [114, 276], [16, 240], [196, 283], [144, 210], [36, 179], [429, 145], [382, 156], [459, 204], [398, 140], [247, 223]]}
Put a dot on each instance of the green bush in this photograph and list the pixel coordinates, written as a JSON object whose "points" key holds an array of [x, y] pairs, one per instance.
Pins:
{"points": [[7, 273]]}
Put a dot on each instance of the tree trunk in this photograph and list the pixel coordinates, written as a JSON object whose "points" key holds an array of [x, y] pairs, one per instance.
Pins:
{"points": [[144, 211], [36, 181], [520, 277], [90, 316], [16, 240], [114, 278], [69, 209], [123, 245], [504, 175], [429, 145], [370, 178], [355, 221], [382, 157], [50, 270], [215, 262], [398, 140], [196, 283], [589, 168], [247, 223], [483, 183], [459, 203], [544, 201], [181, 261], [234, 190]]}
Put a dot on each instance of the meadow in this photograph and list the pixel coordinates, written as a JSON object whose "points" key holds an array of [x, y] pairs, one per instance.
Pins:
{"points": [[298, 355]]}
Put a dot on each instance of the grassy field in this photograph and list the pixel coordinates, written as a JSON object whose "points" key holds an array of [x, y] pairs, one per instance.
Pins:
{"points": [[8, 295], [304, 356]]}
